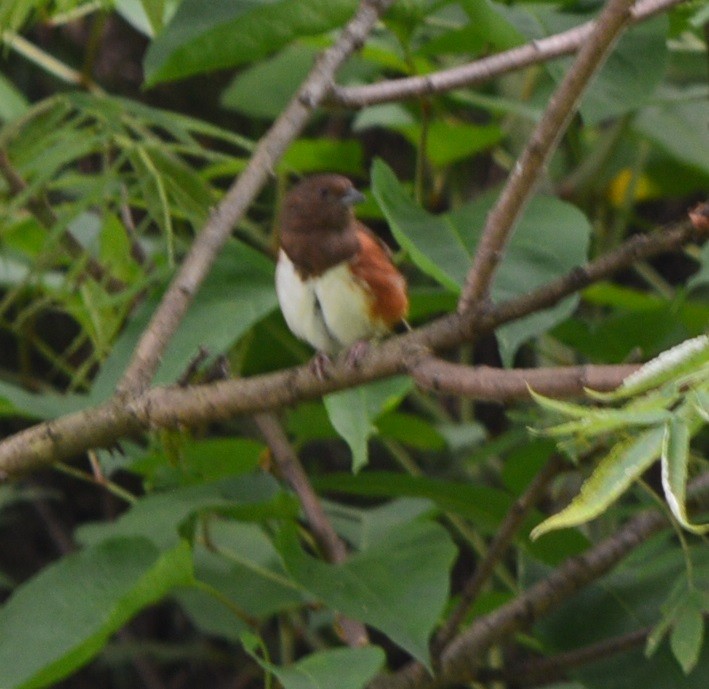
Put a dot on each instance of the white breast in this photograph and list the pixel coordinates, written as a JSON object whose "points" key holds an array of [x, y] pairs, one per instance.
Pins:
{"points": [[331, 311]]}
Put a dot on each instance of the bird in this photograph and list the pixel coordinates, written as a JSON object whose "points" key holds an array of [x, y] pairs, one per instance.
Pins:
{"points": [[336, 284]]}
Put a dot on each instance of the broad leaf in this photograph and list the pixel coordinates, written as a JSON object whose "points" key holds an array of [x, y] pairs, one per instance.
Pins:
{"points": [[550, 239], [353, 412], [60, 619], [235, 32], [344, 668], [399, 585]]}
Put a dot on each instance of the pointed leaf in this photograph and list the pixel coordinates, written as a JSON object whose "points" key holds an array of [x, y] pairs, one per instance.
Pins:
{"points": [[399, 584], [353, 412], [675, 461], [613, 475], [60, 619], [687, 633]]}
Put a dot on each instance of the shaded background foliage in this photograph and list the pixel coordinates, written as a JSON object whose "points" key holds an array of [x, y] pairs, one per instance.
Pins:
{"points": [[123, 123]]}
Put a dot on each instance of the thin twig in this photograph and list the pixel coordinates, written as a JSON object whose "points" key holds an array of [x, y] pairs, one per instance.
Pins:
{"points": [[292, 471], [527, 171], [546, 670], [484, 69], [228, 213], [102, 426], [503, 537]]}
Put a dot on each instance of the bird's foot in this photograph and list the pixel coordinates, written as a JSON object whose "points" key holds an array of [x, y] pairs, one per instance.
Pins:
{"points": [[356, 353], [320, 364]]}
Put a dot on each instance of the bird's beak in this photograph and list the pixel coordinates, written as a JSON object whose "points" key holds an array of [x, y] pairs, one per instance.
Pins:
{"points": [[352, 196]]}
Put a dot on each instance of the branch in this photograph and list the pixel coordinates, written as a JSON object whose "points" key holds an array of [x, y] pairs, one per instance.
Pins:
{"points": [[484, 69], [503, 537], [239, 197], [461, 659], [500, 385], [290, 468], [160, 407], [526, 173], [542, 671]]}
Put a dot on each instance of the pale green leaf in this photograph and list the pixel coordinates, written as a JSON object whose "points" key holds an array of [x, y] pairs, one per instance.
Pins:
{"points": [[675, 461], [683, 359], [626, 462]]}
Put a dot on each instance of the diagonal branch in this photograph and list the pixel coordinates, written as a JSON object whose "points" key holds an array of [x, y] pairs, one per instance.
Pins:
{"points": [[290, 468], [212, 237], [525, 176], [484, 69], [102, 426]]}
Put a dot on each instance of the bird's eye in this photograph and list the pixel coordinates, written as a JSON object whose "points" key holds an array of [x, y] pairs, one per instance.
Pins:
{"points": [[324, 192]]}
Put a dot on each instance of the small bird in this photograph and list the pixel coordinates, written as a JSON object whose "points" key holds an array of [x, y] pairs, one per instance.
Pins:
{"points": [[336, 284]]}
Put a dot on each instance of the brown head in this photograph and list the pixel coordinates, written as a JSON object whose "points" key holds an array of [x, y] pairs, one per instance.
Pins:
{"points": [[317, 224]]}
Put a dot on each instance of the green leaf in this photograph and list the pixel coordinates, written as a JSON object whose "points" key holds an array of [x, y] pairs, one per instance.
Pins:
{"points": [[483, 505], [448, 142], [626, 461], [679, 129], [316, 155], [283, 73], [235, 32], [13, 104], [399, 585], [237, 293], [442, 246], [242, 564], [60, 619], [683, 359], [675, 466], [159, 517], [353, 412], [687, 633], [344, 668]]}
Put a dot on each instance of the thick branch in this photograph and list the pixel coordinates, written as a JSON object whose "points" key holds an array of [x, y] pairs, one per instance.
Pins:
{"points": [[500, 385], [461, 659], [102, 426], [484, 69], [526, 172], [239, 197]]}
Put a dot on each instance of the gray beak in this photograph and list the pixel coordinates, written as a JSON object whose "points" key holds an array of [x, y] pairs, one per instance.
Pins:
{"points": [[352, 196]]}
